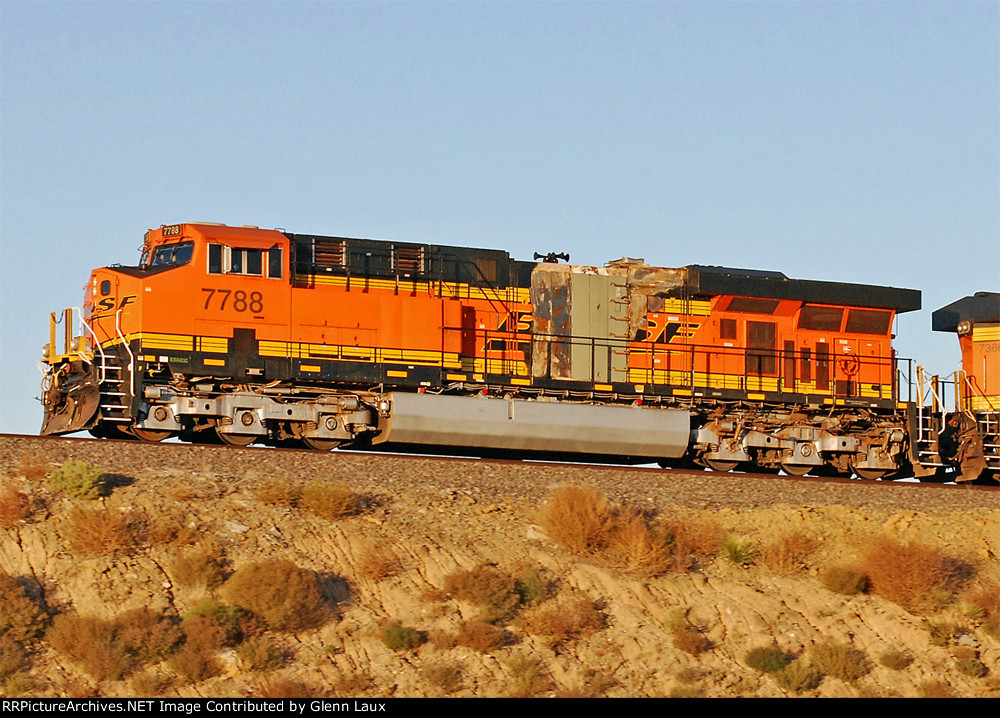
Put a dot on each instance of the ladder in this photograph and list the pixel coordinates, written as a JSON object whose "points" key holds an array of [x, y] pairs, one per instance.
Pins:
{"points": [[112, 389]]}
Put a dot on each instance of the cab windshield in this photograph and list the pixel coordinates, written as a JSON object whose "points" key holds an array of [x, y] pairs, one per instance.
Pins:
{"points": [[172, 255]]}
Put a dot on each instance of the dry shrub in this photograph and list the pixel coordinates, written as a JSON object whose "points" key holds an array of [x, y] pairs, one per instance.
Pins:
{"points": [[840, 660], [173, 526], [527, 677], [331, 500], [798, 676], [937, 689], [446, 677], [895, 659], [205, 568], [203, 637], [355, 684], [480, 636], [95, 532], [279, 492], [694, 536], [844, 580], [687, 636], [636, 546], [494, 592], [789, 553], [916, 576], [578, 517], [34, 469], [13, 657], [286, 597], [283, 688], [261, 654], [111, 650], [15, 506], [968, 663], [22, 619], [563, 620], [376, 563], [581, 519]]}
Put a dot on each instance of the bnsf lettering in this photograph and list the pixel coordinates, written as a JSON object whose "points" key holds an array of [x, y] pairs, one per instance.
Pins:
{"points": [[108, 303], [239, 300]]}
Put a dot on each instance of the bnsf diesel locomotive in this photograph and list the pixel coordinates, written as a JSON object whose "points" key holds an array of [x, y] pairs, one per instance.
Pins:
{"points": [[243, 335]]}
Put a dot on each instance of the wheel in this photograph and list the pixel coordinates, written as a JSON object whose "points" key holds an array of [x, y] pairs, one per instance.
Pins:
{"points": [[150, 435], [719, 464], [320, 444], [236, 439], [869, 474], [796, 469]]}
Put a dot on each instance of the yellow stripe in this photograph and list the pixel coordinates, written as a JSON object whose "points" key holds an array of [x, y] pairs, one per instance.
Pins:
{"points": [[758, 397], [988, 333], [309, 367], [392, 372], [602, 387], [520, 382], [215, 362], [456, 377]]}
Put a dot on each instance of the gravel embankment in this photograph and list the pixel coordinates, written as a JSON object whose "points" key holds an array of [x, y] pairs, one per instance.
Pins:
{"points": [[494, 481]]}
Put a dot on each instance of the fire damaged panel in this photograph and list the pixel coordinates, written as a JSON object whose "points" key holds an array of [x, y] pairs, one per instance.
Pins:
{"points": [[551, 351]]}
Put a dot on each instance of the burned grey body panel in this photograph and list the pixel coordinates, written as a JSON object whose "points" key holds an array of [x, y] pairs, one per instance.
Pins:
{"points": [[520, 425]]}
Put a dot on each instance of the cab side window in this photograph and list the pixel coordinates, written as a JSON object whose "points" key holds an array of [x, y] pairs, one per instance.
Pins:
{"points": [[245, 260]]}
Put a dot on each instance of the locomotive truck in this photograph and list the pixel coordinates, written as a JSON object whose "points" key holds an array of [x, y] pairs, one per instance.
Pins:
{"points": [[243, 335]]}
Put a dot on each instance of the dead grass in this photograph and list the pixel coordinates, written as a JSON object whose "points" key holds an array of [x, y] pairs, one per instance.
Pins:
{"points": [[481, 636], [844, 580], [493, 591], [196, 660], [918, 577], [788, 553], [527, 677], [22, 618], [686, 635], [445, 677], [15, 506], [330, 499], [280, 687], [839, 660], [111, 650], [584, 521], [173, 526], [580, 518], [563, 620], [34, 469], [100, 531], [376, 563], [286, 597], [203, 568]]}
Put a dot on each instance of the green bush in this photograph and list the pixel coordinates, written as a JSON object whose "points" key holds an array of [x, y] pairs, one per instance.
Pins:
{"points": [[768, 660], [79, 480], [401, 638], [741, 553]]}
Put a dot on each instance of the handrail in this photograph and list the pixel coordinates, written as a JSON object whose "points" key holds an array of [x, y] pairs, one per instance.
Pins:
{"points": [[131, 356]]}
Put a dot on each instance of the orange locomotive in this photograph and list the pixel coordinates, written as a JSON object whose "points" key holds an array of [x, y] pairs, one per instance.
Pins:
{"points": [[243, 335]]}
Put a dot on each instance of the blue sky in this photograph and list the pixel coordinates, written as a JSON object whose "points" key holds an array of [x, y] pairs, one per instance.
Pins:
{"points": [[842, 141]]}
